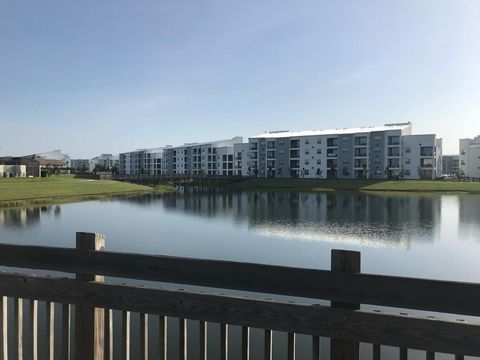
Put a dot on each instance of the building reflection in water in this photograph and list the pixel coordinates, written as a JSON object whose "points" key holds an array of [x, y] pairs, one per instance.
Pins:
{"points": [[350, 217], [469, 217], [22, 217]]}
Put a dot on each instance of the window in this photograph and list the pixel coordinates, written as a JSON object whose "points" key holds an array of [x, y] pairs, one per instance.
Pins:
{"points": [[294, 164], [307, 152], [426, 163], [332, 153], [394, 151], [361, 152], [319, 162], [361, 141], [319, 151], [393, 163], [331, 142], [319, 140], [294, 143], [307, 141], [394, 140], [270, 154], [270, 144], [360, 163], [294, 153], [426, 151], [307, 162]]}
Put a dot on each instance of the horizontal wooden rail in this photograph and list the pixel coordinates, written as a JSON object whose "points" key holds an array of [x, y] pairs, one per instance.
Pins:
{"points": [[402, 292], [368, 327]]}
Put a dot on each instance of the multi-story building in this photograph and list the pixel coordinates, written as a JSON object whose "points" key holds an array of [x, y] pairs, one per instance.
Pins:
{"points": [[240, 166], [142, 161], [80, 165], [210, 158], [105, 162], [470, 157], [451, 165], [389, 151]]}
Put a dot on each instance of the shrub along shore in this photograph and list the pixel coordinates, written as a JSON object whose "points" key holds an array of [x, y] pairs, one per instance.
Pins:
{"points": [[65, 188], [358, 185]]}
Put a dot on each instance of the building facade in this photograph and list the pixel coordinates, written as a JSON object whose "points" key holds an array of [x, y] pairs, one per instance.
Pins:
{"points": [[142, 161], [80, 165], [209, 158], [384, 152], [470, 157], [451, 165], [13, 170], [104, 162]]}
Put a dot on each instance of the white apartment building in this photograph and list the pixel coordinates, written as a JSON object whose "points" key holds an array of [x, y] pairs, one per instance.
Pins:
{"points": [[470, 157], [142, 161], [209, 158], [382, 152], [105, 161]]}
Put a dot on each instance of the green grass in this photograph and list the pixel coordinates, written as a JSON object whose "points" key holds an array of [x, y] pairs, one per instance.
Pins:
{"points": [[61, 188], [357, 185]]}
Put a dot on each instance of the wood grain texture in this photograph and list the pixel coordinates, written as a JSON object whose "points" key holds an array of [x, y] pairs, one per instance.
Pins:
{"points": [[143, 336], [370, 327], [126, 328], [18, 328], [223, 341], [315, 347], [430, 355], [421, 294], [377, 351], [403, 354], [108, 334], [3, 328], [50, 330], [291, 354], [162, 337], [89, 321], [182, 339], [34, 329]]}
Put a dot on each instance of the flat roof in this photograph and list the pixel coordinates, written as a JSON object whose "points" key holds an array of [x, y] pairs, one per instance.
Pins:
{"points": [[341, 131]]}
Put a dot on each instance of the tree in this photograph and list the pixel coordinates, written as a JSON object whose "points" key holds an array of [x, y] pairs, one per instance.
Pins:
{"points": [[345, 171], [319, 172]]}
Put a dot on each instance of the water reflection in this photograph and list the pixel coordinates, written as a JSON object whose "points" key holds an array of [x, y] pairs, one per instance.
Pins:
{"points": [[22, 217], [352, 218]]}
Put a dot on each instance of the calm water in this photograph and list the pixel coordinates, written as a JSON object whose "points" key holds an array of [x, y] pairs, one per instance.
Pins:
{"points": [[434, 236]]}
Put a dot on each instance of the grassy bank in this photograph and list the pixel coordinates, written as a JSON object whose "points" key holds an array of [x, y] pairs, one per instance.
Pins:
{"points": [[357, 185], [64, 188]]}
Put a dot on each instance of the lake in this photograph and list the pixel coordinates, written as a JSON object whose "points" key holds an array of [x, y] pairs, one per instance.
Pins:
{"points": [[431, 236]]}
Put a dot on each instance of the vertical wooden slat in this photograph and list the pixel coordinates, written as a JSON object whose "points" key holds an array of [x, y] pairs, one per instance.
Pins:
{"points": [[403, 354], [66, 331], [126, 335], [459, 357], [245, 343], [18, 332], [345, 261], [162, 334], [182, 339], [50, 322], [108, 334], [430, 355], [291, 346], [267, 353], [376, 352], [144, 336], [315, 347], [34, 329], [89, 321], [223, 341], [3, 328], [203, 333]]}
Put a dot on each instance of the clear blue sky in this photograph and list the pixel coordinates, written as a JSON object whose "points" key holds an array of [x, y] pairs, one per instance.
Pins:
{"points": [[111, 76]]}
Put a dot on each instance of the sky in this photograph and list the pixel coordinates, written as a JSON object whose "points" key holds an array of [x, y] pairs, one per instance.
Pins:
{"points": [[110, 76]]}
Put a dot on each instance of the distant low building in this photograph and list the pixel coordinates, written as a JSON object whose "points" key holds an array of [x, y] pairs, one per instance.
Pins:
{"points": [[104, 162], [80, 165], [451, 165], [470, 157], [13, 170]]}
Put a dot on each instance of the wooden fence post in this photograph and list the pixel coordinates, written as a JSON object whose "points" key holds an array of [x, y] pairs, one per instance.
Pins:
{"points": [[345, 261], [89, 322]]}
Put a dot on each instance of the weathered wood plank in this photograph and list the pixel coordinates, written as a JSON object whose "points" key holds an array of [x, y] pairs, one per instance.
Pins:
{"points": [[451, 337], [3, 328], [421, 294], [291, 346], [162, 337], [34, 329], [66, 331], [430, 355], [126, 335], [245, 343], [223, 341], [18, 328], [267, 352], [202, 340], [345, 262], [50, 330], [144, 336], [182, 339], [89, 321], [403, 353]]}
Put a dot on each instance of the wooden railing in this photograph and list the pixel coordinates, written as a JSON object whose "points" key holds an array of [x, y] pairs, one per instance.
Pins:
{"points": [[343, 322]]}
